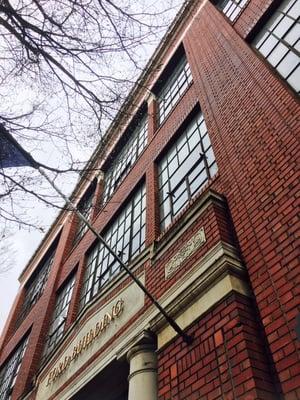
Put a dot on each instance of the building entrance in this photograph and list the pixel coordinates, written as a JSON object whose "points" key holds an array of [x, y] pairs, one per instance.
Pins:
{"points": [[110, 384]]}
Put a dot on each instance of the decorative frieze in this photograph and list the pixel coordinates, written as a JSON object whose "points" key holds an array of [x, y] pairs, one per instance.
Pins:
{"points": [[185, 252]]}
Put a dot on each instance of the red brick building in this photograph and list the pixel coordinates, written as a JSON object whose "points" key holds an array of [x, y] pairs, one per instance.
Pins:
{"points": [[197, 193]]}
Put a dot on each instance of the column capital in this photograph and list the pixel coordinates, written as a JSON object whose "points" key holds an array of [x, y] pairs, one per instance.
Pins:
{"points": [[143, 369], [140, 348]]}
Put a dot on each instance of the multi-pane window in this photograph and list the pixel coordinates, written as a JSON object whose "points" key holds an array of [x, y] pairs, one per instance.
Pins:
{"points": [[173, 88], [59, 317], [126, 236], [125, 159], [231, 8], [36, 287], [9, 372], [279, 42], [85, 207], [184, 169]]}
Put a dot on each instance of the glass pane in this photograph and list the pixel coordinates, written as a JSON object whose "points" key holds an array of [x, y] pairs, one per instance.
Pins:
{"points": [[210, 156], [165, 208], [163, 192], [260, 38], [213, 169], [288, 64], [227, 6], [283, 26], [268, 46], [295, 10], [203, 128], [198, 182], [135, 243], [277, 54], [294, 79], [206, 142], [166, 222], [294, 34], [180, 202], [194, 140], [285, 6], [235, 14], [173, 165], [183, 153], [274, 21]]}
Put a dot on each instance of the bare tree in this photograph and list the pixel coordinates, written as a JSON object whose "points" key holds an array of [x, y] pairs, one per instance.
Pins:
{"points": [[66, 67], [6, 253]]}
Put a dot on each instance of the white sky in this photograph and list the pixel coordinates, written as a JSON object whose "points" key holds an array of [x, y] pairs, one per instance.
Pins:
{"points": [[24, 242]]}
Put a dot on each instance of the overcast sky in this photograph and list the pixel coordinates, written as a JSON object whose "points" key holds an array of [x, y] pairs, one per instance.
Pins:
{"points": [[24, 242]]}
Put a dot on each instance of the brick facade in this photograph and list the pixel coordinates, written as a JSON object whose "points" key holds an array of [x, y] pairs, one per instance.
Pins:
{"points": [[244, 344]]}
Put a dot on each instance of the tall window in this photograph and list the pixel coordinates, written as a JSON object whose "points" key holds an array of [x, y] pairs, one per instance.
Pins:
{"points": [[279, 42], [184, 169], [9, 372], [35, 288], [173, 88], [59, 317], [85, 207], [231, 8], [126, 236], [124, 160]]}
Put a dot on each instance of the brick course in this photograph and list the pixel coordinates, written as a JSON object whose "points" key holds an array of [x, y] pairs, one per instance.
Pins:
{"points": [[243, 349]]}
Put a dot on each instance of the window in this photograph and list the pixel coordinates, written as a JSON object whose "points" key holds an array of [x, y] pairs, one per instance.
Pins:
{"points": [[231, 8], [173, 88], [126, 236], [9, 372], [59, 317], [184, 169], [125, 158], [85, 207], [35, 288], [279, 42]]}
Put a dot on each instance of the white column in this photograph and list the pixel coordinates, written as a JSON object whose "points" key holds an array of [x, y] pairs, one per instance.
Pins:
{"points": [[143, 372]]}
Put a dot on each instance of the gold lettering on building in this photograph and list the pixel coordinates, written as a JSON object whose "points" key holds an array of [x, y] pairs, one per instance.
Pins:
{"points": [[86, 341]]}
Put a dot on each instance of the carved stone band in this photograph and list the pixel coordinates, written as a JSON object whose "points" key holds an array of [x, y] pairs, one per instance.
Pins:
{"points": [[186, 251]]}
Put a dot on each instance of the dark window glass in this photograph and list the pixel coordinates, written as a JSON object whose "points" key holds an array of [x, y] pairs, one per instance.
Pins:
{"points": [[9, 371], [173, 88], [59, 317], [125, 159], [126, 236], [231, 8], [184, 169], [279, 42], [36, 287], [85, 207]]}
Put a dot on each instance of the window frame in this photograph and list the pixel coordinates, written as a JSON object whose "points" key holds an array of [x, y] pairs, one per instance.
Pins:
{"points": [[64, 293], [39, 278], [85, 206], [137, 134], [101, 268], [168, 89], [15, 361], [266, 29], [239, 7], [168, 172]]}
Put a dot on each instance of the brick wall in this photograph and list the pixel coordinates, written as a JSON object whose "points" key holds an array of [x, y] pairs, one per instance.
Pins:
{"points": [[251, 117], [227, 359]]}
